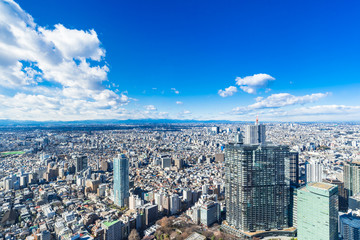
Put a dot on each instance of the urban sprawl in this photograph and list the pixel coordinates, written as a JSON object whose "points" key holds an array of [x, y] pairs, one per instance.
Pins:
{"points": [[180, 181]]}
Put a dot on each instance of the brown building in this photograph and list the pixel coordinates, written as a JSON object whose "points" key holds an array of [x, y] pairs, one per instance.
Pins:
{"points": [[343, 194]]}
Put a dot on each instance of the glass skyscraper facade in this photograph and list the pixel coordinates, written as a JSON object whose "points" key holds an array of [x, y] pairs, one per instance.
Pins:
{"points": [[317, 211], [121, 180], [257, 182]]}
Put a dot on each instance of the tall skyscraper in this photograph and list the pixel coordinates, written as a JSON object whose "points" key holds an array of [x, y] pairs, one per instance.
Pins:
{"points": [[255, 134], [352, 177], [121, 180], [317, 211], [81, 163], [314, 171], [257, 188]]}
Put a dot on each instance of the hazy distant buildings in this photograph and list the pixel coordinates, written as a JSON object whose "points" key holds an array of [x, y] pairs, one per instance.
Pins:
{"points": [[317, 211], [121, 180]]}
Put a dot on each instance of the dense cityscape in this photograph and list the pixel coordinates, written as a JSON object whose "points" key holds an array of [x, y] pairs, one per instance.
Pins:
{"points": [[181, 181], [179, 120]]}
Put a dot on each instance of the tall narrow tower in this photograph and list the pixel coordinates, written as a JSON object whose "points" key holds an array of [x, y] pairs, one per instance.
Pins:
{"points": [[121, 180], [255, 134]]}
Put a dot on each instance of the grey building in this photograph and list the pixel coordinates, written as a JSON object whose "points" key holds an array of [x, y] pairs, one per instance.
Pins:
{"points": [[166, 162], [255, 134], [294, 168], [209, 213], [81, 163]]}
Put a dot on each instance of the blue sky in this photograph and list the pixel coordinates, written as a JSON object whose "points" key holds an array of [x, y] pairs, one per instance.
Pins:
{"points": [[281, 60]]}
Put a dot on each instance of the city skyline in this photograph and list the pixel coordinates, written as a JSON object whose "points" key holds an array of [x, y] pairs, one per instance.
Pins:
{"points": [[179, 60]]}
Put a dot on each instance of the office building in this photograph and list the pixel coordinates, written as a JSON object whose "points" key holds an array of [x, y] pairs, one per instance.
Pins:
{"points": [[350, 225], [354, 202], [209, 213], [166, 162], [121, 180], [343, 194], [151, 214], [81, 163], [112, 230], [317, 211]]}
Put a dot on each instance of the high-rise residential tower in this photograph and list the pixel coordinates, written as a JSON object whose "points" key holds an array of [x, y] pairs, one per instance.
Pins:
{"points": [[121, 180], [257, 185], [255, 134], [352, 177], [314, 171]]}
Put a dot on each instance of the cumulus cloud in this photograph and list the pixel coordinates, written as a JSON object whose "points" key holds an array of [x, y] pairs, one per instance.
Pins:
{"points": [[227, 92], [57, 73], [179, 102], [175, 91], [251, 84], [279, 100], [286, 99]]}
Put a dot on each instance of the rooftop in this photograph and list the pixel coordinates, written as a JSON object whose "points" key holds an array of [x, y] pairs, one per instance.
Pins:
{"points": [[108, 224], [325, 186]]}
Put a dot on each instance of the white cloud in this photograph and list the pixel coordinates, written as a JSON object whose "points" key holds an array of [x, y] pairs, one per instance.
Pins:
{"points": [[251, 84], [286, 99], [279, 100], [179, 102], [175, 91], [325, 110], [185, 114], [227, 92], [150, 108], [58, 73]]}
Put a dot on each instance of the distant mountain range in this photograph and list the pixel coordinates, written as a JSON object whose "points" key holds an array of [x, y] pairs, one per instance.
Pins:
{"points": [[14, 123], [6, 122]]}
